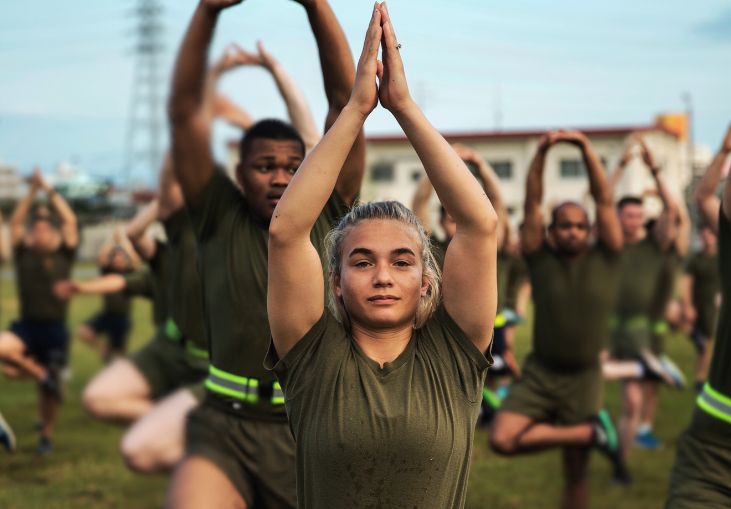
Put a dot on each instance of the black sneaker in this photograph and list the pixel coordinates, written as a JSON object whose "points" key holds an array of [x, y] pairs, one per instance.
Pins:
{"points": [[7, 437], [45, 446], [605, 439]]}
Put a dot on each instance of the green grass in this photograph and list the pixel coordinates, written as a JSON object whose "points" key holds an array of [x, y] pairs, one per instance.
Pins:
{"points": [[85, 470]]}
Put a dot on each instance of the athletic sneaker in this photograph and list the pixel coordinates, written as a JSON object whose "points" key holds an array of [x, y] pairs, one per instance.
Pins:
{"points": [[654, 369], [646, 439], [7, 437], [672, 369], [606, 440], [45, 446]]}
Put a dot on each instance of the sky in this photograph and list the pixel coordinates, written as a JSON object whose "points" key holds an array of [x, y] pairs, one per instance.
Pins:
{"points": [[66, 68]]}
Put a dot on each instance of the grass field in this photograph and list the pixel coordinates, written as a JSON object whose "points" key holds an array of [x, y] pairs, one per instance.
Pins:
{"points": [[85, 470]]}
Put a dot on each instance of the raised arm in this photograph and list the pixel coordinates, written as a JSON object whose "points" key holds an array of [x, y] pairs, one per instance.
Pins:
{"points": [[69, 225], [297, 108], [682, 239], [232, 113], [296, 297], [686, 298], [532, 233], [420, 204], [143, 243], [469, 279], [20, 212], [705, 193], [103, 285], [338, 74], [666, 226], [618, 172], [190, 120], [609, 230]]}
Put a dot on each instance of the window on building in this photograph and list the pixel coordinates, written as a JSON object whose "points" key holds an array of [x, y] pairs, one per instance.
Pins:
{"points": [[503, 169], [572, 168], [382, 172]]}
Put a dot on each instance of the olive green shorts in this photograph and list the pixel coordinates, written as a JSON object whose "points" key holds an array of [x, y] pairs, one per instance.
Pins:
{"points": [[256, 456], [630, 343], [561, 397], [167, 367], [701, 476]]}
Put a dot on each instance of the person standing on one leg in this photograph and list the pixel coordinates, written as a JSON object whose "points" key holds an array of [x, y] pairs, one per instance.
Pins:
{"points": [[383, 388], [701, 475], [239, 447], [557, 401], [37, 344], [700, 300], [640, 278]]}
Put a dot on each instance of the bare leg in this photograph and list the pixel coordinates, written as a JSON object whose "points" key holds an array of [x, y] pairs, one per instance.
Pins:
{"points": [[48, 409], [199, 483], [155, 443], [651, 399], [119, 393], [12, 351], [514, 433], [630, 420], [576, 489]]}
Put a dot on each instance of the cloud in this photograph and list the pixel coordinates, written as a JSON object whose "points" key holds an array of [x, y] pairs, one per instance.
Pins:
{"points": [[716, 29]]}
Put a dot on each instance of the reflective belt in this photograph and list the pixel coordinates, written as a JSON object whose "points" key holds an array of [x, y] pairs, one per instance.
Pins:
{"points": [[634, 323], [194, 351], [491, 398], [714, 403], [661, 327], [500, 320], [243, 388], [171, 330]]}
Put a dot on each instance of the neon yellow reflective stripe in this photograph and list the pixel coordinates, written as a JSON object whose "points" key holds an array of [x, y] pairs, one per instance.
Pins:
{"points": [[277, 395], [171, 329], [195, 351], [491, 398], [500, 320], [228, 376], [212, 386], [715, 404], [661, 327]]}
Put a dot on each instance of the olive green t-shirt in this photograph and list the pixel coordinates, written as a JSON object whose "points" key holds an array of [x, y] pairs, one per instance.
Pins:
{"points": [[35, 274], [117, 303], [141, 283], [641, 271], [666, 283], [182, 288], [398, 436], [705, 426], [573, 300], [511, 274], [706, 281], [233, 265]]}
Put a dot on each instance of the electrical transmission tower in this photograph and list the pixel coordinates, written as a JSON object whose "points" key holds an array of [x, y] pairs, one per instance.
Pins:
{"points": [[144, 123]]}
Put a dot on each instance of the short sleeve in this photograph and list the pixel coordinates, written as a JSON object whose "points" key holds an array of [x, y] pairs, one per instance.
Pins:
{"points": [[463, 360], [214, 203], [139, 283], [302, 361]]}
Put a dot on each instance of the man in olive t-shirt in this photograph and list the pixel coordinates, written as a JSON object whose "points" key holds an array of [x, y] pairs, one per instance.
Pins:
{"points": [[557, 401], [37, 343], [701, 475], [700, 300], [239, 447]]}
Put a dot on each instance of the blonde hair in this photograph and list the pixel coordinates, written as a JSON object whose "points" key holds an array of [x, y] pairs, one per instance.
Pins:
{"points": [[388, 210]]}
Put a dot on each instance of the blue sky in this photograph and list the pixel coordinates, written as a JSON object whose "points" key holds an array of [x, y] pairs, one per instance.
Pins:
{"points": [[67, 66]]}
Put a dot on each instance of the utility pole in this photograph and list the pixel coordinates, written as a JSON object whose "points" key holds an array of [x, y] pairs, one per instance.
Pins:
{"points": [[144, 123]]}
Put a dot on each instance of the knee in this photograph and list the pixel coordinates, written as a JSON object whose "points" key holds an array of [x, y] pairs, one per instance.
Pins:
{"points": [[10, 346], [95, 400], [502, 441], [137, 455]]}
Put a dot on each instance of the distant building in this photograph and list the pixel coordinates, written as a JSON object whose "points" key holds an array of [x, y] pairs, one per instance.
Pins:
{"points": [[12, 185], [393, 169]]}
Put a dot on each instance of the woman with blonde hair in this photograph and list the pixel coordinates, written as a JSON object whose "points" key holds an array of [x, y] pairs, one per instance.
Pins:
{"points": [[383, 390]]}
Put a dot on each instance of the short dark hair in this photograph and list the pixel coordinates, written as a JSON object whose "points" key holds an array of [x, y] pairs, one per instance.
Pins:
{"points": [[629, 200], [558, 208], [270, 129]]}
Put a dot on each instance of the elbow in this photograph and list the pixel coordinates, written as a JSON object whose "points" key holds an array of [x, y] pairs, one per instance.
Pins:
{"points": [[280, 233]]}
